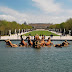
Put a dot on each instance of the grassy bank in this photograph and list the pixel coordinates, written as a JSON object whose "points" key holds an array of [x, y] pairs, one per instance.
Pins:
{"points": [[46, 33]]}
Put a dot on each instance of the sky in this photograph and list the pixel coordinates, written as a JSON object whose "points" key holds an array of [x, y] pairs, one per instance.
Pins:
{"points": [[36, 11]]}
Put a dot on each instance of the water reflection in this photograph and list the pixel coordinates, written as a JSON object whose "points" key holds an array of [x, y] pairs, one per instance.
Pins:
{"points": [[46, 59]]}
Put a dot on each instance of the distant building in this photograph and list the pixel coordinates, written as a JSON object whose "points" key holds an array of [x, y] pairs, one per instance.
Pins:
{"points": [[40, 25], [25, 23]]}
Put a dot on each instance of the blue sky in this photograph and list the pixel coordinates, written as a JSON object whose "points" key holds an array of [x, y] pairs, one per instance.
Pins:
{"points": [[19, 5], [36, 11]]}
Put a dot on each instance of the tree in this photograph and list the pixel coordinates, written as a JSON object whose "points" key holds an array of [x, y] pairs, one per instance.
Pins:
{"points": [[5, 26]]}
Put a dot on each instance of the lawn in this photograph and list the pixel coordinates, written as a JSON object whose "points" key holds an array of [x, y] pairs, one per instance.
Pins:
{"points": [[46, 33]]}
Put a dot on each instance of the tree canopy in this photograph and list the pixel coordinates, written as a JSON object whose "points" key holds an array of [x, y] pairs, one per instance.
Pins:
{"points": [[67, 25], [5, 26]]}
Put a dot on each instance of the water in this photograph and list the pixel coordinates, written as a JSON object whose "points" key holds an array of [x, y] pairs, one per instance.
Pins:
{"points": [[46, 59]]}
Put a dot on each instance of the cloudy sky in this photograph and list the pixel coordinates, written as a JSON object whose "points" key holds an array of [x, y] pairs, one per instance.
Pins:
{"points": [[36, 11]]}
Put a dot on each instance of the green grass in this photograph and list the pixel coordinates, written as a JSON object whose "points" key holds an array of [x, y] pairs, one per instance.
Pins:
{"points": [[46, 33]]}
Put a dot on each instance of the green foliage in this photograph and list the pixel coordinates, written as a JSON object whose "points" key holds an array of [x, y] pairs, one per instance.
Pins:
{"points": [[62, 25], [67, 25], [5, 26]]}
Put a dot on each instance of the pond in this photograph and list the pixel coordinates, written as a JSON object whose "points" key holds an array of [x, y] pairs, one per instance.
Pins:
{"points": [[46, 59]]}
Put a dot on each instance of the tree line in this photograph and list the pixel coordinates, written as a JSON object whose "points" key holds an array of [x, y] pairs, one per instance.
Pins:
{"points": [[67, 25], [5, 26]]}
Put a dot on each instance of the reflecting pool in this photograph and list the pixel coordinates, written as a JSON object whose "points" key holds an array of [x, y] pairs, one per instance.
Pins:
{"points": [[46, 59]]}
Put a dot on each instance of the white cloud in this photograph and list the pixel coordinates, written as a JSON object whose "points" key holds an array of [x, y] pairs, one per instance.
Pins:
{"points": [[13, 15], [48, 5], [48, 19], [7, 17]]}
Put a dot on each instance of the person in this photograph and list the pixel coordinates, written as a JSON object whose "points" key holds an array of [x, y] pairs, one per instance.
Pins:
{"points": [[37, 37], [58, 45], [51, 35], [42, 41], [36, 42], [65, 43], [48, 42], [23, 43], [8, 42], [29, 41], [42, 36], [60, 36], [34, 37]]}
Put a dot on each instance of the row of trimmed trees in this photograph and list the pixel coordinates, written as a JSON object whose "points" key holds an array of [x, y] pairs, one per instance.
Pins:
{"points": [[64, 25], [5, 26]]}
